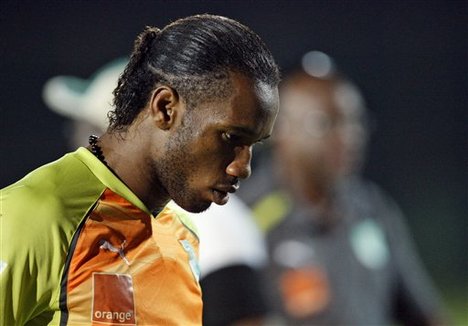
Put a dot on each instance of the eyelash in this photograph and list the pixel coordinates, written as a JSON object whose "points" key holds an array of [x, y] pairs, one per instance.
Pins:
{"points": [[235, 139]]}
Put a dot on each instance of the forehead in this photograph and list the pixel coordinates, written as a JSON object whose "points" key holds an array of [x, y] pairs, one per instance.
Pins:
{"points": [[251, 106], [298, 99]]}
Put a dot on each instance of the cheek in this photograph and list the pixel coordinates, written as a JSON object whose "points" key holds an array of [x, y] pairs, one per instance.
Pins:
{"points": [[336, 154], [312, 152], [303, 147], [210, 160]]}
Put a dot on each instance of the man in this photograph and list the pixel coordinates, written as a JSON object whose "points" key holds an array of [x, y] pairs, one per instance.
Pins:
{"points": [[103, 248], [232, 248], [340, 251]]}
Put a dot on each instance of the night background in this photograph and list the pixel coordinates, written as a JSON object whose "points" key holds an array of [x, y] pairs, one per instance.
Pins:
{"points": [[408, 57]]}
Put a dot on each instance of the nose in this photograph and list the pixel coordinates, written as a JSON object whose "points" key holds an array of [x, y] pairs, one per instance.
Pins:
{"points": [[240, 166]]}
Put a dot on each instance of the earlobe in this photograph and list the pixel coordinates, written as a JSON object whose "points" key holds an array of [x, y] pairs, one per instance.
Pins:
{"points": [[163, 107]]}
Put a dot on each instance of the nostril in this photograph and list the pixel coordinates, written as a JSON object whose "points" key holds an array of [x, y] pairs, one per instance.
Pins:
{"points": [[244, 172]]}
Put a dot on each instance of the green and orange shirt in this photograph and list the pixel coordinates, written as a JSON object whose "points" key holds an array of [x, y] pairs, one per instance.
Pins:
{"points": [[77, 247]]}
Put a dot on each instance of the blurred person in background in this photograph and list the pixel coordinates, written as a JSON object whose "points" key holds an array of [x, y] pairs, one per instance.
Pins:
{"points": [[340, 251], [106, 246], [232, 248]]}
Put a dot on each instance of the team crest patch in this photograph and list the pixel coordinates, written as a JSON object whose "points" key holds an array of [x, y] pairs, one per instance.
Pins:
{"points": [[193, 261], [113, 301], [369, 244]]}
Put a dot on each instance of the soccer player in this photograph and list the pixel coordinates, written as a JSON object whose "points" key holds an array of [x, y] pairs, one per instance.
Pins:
{"points": [[88, 238], [232, 249]]}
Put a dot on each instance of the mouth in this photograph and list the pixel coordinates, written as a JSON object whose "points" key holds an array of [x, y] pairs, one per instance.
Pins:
{"points": [[221, 194]]}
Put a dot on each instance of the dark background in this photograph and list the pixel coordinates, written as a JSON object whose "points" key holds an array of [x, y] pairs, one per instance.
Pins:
{"points": [[408, 57]]}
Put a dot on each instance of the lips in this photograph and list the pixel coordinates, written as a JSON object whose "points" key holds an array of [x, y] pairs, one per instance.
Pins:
{"points": [[221, 194], [220, 197]]}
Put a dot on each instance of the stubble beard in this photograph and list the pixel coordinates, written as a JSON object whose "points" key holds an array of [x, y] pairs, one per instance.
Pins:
{"points": [[172, 172]]}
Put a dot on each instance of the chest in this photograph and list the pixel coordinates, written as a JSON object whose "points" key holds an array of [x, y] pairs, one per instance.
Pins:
{"points": [[125, 267]]}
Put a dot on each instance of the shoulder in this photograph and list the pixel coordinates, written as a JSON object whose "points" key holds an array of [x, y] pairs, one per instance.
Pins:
{"points": [[183, 217], [48, 192], [370, 198], [271, 210], [43, 209], [366, 189], [32, 198]]}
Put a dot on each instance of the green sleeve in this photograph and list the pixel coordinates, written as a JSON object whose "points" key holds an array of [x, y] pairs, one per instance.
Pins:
{"points": [[38, 218], [30, 261]]}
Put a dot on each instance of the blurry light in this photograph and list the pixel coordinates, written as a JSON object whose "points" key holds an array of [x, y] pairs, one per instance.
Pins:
{"points": [[317, 64]]}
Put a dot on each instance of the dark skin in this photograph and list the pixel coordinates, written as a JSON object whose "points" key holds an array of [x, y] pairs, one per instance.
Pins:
{"points": [[318, 142], [308, 149], [194, 156]]}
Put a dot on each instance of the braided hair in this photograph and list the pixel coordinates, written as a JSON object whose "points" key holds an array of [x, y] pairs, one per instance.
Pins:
{"points": [[193, 55]]}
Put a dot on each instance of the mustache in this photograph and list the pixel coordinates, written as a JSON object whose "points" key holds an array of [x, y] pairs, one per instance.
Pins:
{"points": [[234, 181]]}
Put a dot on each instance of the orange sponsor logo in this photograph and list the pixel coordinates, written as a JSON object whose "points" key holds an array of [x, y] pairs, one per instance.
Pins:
{"points": [[113, 301]]}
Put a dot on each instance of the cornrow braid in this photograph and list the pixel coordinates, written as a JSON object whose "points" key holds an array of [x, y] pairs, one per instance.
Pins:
{"points": [[125, 94]]}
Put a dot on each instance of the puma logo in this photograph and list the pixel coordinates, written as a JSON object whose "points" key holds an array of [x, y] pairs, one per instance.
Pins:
{"points": [[105, 245]]}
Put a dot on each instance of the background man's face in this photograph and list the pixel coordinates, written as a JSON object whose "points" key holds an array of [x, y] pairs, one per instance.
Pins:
{"points": [[320, 137], [308, 148]]}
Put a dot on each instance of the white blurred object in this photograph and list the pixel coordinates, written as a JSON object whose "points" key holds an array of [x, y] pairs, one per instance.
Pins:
{"points": [[86, 100], [229, 236]]}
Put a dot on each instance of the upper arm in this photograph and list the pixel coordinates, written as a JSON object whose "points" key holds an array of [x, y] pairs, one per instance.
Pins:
{"points": [[30, 271]]}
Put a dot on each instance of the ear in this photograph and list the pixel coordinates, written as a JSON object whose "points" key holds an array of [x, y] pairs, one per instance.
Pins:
{"points": [[164, 106]]}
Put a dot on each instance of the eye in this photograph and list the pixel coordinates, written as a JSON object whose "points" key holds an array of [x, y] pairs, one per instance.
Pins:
{"points": [[234, 139], [230, 138]]}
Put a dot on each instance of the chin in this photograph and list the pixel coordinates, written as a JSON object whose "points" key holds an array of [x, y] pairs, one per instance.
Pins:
{"points": [[194, 206]]}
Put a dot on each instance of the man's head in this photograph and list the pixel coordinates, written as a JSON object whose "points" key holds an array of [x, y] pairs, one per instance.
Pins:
{"points": [[198, 93], [321, 134], [194, 55]]}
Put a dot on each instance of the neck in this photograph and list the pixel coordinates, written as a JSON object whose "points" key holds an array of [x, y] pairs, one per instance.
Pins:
{"points": [[312, 193], [127, 157]]}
